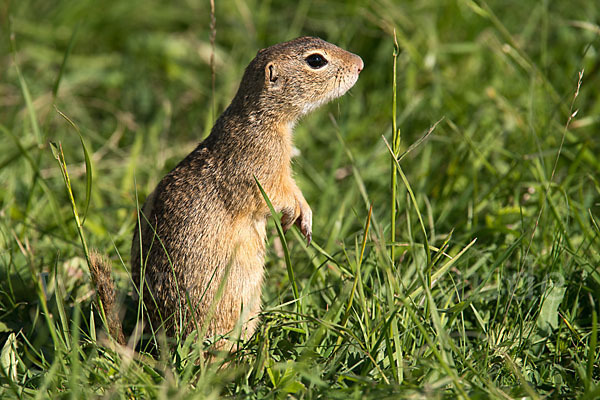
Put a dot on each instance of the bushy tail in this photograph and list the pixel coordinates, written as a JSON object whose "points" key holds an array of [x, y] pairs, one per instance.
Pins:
{"points": [[100, 269]]}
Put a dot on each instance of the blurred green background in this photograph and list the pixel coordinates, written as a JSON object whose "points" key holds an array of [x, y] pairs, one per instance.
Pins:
{"points": [[501, 76]]}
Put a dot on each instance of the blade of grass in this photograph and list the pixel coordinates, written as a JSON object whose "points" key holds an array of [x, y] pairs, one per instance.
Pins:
{"points": [[286, 252], [357, 273], [64, 63], [592, 344], [59, 297], [75, 381], [36, 169], [451, 373], [395, 150], [24, 88], [58, 344], [88, 166], [57, 151], [443, 269]]}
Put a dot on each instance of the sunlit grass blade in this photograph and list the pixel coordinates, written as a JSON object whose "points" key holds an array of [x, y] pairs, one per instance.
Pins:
{"points": [[413, 199], [357, 273], [443, 269], [88, 166], [286, 252]]}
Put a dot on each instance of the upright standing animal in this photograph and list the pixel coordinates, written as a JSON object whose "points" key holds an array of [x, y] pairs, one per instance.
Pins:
{"points": [[207, 216]]}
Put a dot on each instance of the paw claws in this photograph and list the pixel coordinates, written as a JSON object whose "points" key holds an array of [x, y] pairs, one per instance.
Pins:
{"points": [[305, 228]]}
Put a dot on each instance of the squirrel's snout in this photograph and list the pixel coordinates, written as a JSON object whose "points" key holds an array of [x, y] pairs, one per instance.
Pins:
{"points": [[360, 64]]}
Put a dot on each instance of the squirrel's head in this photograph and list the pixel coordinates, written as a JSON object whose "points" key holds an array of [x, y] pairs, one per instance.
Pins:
{"points": [[295, 77]]}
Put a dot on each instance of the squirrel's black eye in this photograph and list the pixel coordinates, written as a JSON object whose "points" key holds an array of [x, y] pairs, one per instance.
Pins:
{"points": [[316, 61]]}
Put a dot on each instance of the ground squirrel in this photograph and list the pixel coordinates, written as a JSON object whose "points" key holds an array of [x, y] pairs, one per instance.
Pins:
{"points": [[208, 216]]}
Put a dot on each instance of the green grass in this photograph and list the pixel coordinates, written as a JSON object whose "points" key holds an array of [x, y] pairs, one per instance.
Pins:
{"points": [[488, 285]]}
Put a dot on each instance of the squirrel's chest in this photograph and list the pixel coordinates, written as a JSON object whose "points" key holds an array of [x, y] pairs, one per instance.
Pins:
{"points": [[249, 236]]}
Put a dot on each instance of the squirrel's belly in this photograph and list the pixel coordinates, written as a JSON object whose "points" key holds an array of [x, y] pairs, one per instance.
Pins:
{"points": [[244, 283]]}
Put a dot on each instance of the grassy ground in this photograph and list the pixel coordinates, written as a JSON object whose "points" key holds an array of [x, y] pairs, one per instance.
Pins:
{"points": [[479, 274]]}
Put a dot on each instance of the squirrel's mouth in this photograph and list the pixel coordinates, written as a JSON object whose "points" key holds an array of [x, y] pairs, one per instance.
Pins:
{"points": [[342, 84], [345, 81]]}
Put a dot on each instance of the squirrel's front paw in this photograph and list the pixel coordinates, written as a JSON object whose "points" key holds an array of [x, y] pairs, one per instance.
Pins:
{"points": [[301, 216], [304, 222]]}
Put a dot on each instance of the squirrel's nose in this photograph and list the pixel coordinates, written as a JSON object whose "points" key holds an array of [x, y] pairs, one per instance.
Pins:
{"points": [[361, 64]]}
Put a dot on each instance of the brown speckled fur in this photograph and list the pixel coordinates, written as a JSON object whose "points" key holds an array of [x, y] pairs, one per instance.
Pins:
{"points": [[208, 213]]}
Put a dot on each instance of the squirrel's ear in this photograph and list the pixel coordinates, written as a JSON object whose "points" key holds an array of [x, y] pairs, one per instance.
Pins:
{"points": [[272, 76]]}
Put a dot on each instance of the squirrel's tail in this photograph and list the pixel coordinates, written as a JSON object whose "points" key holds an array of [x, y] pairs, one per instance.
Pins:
{"points": [[100, 268]]}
